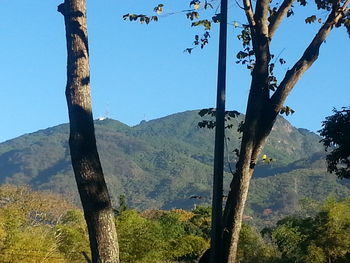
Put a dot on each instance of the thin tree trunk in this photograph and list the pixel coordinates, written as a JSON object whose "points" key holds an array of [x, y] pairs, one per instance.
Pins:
{"points": [[239, 187], [85, 159]]}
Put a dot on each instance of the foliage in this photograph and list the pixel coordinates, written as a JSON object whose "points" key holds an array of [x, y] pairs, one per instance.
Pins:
{"points": [[161, 236], [322, 238], [200, 223], [211, 112], [34, 227], [72, 236], [140, 239], [335, 133], [253, 248], [156, 239], [178, 235], [295, 192]]}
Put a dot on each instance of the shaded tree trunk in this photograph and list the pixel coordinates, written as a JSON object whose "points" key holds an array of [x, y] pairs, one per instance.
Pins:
{"points": [[85, 159]]}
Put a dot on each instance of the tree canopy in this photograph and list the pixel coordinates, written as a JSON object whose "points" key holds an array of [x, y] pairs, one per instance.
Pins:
{"points": [[336, 136]]}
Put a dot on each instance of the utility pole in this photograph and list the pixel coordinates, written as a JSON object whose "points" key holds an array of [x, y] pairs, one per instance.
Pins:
{"points": [[216, 225]]}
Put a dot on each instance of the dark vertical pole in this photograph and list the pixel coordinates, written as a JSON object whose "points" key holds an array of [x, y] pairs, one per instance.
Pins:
{"points": [[216, 232]]}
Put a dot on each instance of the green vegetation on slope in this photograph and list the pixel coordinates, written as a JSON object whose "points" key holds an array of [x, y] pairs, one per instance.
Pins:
{"points": [[162, 163]]}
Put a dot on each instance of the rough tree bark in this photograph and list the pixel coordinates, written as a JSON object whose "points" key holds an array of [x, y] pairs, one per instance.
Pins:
{"points": [[85, 159], [263, 107]]}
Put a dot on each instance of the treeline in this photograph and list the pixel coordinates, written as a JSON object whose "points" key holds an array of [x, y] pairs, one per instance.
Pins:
{"points": [[42, 227]]}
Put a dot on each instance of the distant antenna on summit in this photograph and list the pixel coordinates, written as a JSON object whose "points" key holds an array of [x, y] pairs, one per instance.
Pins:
{"points": [[105, 115]]}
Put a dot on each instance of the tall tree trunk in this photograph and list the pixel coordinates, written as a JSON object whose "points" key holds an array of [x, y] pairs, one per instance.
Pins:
{"points": [[85, 159]]}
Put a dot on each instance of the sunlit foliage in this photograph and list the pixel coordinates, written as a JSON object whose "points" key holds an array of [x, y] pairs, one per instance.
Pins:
{"points": [[320, 239], [34, 227]]}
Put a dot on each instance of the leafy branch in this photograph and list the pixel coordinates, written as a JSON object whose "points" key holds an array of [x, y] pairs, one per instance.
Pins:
{"points": [[211, 112]]}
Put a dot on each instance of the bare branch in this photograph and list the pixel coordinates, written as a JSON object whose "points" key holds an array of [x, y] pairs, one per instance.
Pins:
{"points": [[277, 18], [308, 58], [241, 7]]}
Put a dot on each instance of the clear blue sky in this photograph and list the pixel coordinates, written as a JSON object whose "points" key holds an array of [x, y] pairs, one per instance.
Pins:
{"points": [[140, 71]]}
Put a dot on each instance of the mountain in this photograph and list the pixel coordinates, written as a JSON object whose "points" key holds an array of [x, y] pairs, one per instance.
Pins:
{"points": [[161, 163]]}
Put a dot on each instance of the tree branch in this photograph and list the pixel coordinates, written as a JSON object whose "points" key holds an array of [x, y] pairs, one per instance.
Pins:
{"points": [[261, 19], [260, 39], [276, 19], [249, 12], [308, 58], [271, 109]]}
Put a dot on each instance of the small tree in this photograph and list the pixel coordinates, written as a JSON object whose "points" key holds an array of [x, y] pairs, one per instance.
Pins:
{"points": [[336, 135]]}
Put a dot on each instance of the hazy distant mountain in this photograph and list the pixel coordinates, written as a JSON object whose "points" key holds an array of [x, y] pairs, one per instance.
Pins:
{"points": [[162, 162]]}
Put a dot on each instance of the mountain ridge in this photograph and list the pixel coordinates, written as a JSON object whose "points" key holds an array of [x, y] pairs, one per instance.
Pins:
{"points": [[160, 163]]}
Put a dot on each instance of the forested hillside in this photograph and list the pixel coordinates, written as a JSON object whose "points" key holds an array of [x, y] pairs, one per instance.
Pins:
{"points": [[163, 162]]}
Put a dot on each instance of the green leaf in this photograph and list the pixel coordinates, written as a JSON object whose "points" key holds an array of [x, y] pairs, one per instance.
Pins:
{"points": [[188, 50], [195, 4], [310, 19], [290, 12], [216, 18], [158, 9], [192, 15], [286, 110], [206, 23], [302, 2], [242, 55]]}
